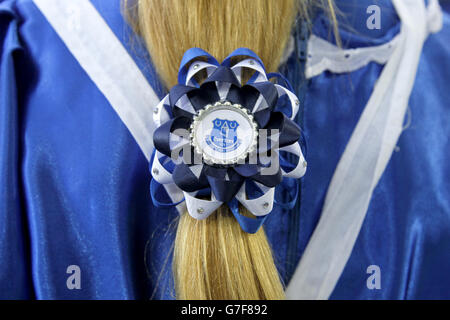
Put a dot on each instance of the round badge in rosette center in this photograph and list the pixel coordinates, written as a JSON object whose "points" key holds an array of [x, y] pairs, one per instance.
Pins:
{"points": [[224, 133]]}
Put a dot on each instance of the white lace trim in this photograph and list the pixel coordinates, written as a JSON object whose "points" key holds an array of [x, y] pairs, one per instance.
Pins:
{"points": [[323, 55]]}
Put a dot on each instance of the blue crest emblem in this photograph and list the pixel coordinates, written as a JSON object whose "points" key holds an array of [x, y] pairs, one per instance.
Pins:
{"points": [[223, 137]]}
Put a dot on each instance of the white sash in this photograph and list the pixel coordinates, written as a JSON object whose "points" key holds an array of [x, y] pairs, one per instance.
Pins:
{"points": [[107, 63], [365, 158]]}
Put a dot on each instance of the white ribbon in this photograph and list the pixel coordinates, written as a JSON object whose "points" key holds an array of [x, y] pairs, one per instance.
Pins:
{"points": [[249, 64], [300, 168], [200, 209], [160, 114], [196, 67], [295, 103], [260, 104], [260, 206], [159, 173]]}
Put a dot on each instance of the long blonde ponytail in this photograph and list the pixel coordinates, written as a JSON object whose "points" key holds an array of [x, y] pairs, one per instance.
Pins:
{"points": [[214, 258]]}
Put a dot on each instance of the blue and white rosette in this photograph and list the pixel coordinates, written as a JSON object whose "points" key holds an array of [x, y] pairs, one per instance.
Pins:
{"points": [[225, 141]]}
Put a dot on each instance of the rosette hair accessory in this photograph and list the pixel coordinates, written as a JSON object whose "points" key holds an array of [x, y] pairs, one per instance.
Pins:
{"points": [[225, 140]]}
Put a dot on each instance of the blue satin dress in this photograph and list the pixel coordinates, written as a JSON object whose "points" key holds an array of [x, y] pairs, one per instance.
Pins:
{"points": [[74, 183]]}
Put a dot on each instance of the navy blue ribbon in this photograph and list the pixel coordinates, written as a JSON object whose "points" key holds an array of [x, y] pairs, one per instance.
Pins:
{"points": [[155, 186], [249, 225]]}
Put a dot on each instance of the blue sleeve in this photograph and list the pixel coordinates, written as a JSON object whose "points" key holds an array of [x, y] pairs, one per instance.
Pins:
{"points": [[15, 280]]}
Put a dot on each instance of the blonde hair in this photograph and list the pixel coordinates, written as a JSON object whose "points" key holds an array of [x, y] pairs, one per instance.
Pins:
{"points": [[214, 258], [170, 27]]}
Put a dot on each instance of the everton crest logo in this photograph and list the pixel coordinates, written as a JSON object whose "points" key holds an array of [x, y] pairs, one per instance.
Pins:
{"points": [[223, 133], [223, 137]]}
